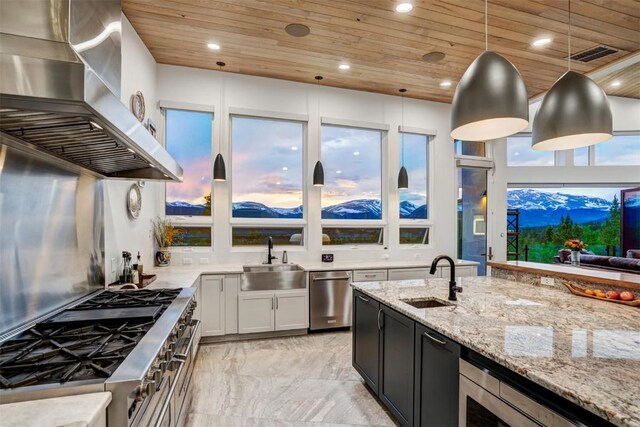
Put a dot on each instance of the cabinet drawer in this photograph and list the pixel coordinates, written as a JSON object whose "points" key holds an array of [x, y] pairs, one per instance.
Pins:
{"points": [[369, 275], [409, 274]]}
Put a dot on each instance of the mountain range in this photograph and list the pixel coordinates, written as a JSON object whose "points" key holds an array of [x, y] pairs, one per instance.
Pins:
{"points": [[540, 208], [354, 209]]}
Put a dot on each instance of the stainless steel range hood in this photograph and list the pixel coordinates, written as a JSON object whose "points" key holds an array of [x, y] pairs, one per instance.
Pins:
{"points": [[60, 89]]}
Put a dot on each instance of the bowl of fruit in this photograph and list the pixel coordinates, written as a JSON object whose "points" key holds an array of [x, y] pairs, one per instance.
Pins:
{"points": [[625, 297]]}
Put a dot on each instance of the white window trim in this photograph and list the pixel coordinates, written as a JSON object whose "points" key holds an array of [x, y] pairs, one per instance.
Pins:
{"points": [[334, 121], [268, 114], [188, 220]]}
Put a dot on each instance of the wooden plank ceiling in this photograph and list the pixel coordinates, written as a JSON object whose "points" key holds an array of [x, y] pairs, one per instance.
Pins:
{"points": [[384, 48]]}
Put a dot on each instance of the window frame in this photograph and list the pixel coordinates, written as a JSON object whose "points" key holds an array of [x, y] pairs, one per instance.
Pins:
{"points": [[269, 222], [431, 136], [186, 220], [557, 154], [592, 151], [429, 229], [383, 222]]}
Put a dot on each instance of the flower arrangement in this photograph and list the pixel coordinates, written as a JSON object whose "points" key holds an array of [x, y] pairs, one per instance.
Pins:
{"points": [[164, 233], [574, 245]]}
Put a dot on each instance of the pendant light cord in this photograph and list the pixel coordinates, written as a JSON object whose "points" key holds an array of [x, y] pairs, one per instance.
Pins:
{"points": [[486, 25], [402, 122], [569, 55], [319, 122]]}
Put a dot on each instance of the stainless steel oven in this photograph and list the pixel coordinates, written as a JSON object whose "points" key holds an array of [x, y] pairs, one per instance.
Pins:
{"points": [[486, 401]]}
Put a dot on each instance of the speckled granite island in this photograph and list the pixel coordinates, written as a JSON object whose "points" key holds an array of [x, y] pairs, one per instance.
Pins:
{"points": [[584, 350]]}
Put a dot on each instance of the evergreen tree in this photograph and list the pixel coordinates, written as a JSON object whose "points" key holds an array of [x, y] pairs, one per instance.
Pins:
{"points": [[611, 228], [549, 235]]}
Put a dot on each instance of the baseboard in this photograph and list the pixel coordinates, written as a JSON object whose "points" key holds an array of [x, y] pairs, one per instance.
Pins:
{"points": [[256, 336]]}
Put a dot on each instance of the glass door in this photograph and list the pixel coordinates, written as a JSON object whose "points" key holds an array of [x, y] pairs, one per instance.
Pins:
{"points": [[472, 216]]}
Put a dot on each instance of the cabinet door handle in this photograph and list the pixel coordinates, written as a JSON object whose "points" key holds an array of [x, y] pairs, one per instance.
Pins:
{"points": [[380, 326], [271, 303], [434, 339], [363, 298], [277, 303], [369, 275], [221, 286]]}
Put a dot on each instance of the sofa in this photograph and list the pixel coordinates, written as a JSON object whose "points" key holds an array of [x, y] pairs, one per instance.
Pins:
{"points": [[628, 264]]}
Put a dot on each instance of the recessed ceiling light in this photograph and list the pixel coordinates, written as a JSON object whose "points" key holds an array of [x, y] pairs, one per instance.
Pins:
{"points": [[446, 83], [404, 7], [433, 56], [356, 153], [542, 41], [616, 83], [131, 150], [95, 125], [294, 148], [284, 168], [344, 66], [213, 46], [297, 30]]}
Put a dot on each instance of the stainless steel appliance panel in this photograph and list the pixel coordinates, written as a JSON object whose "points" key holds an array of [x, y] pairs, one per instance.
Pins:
{"points": [[51, 236], [330, 300]]}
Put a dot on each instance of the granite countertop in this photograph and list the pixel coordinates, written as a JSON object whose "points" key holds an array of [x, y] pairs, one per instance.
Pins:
{"points": [[585, 350], [584, 273], [181, 277], [77, 411]]}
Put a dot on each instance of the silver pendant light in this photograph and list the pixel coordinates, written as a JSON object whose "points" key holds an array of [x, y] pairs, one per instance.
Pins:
{"points": [[490, 100], [403, 176], [574, 113], [219, 169], [318, 170]]}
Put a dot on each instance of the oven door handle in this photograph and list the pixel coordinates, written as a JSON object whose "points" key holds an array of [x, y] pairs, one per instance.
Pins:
{"points": [[167, 403]]}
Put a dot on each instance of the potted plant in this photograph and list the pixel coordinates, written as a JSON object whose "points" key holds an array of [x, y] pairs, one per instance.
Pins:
{"points": [[164, 235], [575, 246]]}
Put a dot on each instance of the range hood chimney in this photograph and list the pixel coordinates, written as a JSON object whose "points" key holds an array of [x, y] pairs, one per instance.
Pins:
{"points": [[60, 66]]}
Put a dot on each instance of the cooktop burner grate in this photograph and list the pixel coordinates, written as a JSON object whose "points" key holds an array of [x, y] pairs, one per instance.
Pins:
{"points": [[56, 352]]}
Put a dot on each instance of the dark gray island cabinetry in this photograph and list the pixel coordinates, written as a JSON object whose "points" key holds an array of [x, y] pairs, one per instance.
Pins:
{"points": [[413, 375]]}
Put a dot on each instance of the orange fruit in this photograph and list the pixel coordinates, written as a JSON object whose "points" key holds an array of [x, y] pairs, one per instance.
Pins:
{"points": [[589, 292]]}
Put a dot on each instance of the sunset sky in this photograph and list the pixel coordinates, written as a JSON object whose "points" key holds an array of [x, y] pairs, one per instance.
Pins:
{"points": [[415, 160]]}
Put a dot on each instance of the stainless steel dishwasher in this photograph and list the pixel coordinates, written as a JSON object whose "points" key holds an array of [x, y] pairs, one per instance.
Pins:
{"points": [[330, 300]]}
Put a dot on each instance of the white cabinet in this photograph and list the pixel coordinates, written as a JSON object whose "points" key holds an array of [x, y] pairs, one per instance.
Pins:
{"points": [[256, 312], [291, 310], [231, 288], [212, 303], [369, 275], [272, 311], [409, 273]]}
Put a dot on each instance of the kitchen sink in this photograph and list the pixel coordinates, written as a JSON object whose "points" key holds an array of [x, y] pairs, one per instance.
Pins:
{"points": [[425, 302], [272, 277]]}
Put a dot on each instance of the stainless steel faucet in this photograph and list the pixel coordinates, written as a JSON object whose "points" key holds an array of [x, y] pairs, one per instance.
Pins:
{"points": [[453, 288], [269, 248]]}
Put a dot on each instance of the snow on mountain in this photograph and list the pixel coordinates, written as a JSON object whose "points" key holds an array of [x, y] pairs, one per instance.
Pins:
{"points": [[260, 210], [180, 207], [406, 207], [540, 208], [354, 209]]}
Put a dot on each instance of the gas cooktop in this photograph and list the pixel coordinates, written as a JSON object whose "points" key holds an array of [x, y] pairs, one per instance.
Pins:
{"points": [[85, 342]]}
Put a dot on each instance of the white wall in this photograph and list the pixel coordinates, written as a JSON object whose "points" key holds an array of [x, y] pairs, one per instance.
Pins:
{"points": [[188, 85], [122, 232]]}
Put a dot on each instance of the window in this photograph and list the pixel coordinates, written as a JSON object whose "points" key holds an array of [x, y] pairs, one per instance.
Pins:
{"points": [[520, 153], [258, 236], [193, 236], [547, 217], [618, 151], [581, 156], [470, 148], [353, 173], [352, 236], [188, 140], [266, 168], [414, 235], [414, 154]]}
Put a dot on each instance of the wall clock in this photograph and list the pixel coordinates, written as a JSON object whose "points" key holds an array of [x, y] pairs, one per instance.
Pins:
{"points": [[137, 105], [134, 201]]}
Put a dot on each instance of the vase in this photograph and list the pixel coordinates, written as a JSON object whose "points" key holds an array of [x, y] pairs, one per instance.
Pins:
{"points": [[163, 257], [575, 257]]}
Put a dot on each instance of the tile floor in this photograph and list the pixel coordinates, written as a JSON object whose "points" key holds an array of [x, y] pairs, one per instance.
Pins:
{"points": [[305, 381]]}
